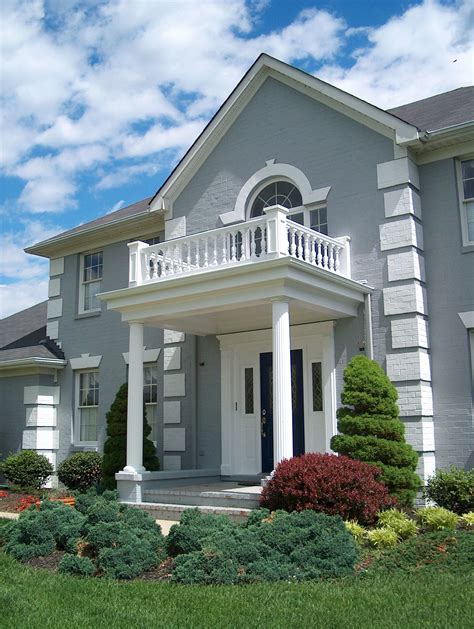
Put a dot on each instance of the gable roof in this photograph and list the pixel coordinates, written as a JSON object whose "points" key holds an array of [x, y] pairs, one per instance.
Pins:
{"points": [[440, 111], [22, 324]]}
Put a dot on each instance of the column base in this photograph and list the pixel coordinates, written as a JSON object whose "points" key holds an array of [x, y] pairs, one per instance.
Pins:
{"points": [[130, 469]]}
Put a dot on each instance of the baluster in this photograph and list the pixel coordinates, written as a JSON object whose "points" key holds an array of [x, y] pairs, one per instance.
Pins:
{"points": [[263, 230], [292, 240], [325, 256], [151, 267], [214, 250], [188, 256], [224, 249], [243, 252], [331, 257], [233, 248], [147, 265], [206, 252], [252, 243], [300, 244], [319, 256], [164, 263], [313, 250], [337, 260]]}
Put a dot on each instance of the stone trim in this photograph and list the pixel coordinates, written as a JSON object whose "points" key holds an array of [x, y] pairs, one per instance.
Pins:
{"points": [[415, 399], [172, 462], [397, 172], [409, 366], [174, 439], [405, 299], [86, 361], [174, 385], [406, 266], [172, 358], [172, 412], [402, 201], [171, 336], [56, 266], [52, 329], [41, 395], [55, 308], [149, 355], [54, 287], [409, 332], [404, 232]]}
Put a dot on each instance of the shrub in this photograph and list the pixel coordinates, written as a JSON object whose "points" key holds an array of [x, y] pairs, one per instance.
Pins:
{"points": [[452, 489], [128, 558], [371, 431], [285, 546], [40, 531], [193, 529], [356, 530], [467, 520], [86, 499], [442, 551], [336, 485], [80, 566], [382, 538], [437, 518], [398, 522], [27, 469], [115, 447], [81, 470]]}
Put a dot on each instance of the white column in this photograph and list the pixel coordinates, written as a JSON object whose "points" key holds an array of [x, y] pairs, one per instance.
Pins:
{"points": [[282, 411], [135, 400]]}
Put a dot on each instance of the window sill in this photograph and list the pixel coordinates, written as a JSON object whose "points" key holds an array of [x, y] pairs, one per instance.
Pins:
{"points": [[85, 448], [86, 315], [467, 248]]}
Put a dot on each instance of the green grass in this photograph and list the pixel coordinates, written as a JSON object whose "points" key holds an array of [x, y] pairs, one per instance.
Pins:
{"points": [[33, 598]]}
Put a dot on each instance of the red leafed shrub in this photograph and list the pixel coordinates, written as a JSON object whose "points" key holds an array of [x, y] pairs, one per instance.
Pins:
{"points": [[26, 502], [336, 485], [3, 494]]}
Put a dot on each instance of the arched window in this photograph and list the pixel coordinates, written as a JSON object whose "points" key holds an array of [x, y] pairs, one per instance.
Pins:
{"points": [[286, 194], [282, 193]]}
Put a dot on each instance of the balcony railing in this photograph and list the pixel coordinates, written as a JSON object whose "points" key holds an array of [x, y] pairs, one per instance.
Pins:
{"points": [[268, 237]]}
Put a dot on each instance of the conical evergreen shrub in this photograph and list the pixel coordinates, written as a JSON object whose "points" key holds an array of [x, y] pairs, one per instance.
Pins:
{"points": [[115, 447], [371, 431]]}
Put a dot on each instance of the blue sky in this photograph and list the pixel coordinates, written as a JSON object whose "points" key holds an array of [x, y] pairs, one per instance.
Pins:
{"points": [[101, 98]]}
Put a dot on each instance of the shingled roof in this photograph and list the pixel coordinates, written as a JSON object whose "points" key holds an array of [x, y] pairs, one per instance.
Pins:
{"points": [[440, 111]]}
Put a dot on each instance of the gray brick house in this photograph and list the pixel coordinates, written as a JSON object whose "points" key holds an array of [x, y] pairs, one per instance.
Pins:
{"points": [[302, 227]]}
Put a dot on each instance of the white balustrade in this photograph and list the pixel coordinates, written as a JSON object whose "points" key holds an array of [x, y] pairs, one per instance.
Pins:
{"points": [[270, 236]]}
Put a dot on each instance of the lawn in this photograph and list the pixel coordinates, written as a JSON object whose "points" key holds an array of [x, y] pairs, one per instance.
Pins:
{"points": [[36, 598]]}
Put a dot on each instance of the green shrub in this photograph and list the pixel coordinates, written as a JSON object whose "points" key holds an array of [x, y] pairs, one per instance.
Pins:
{"points": [[102, 510], [371, 431], [442, 551], [27, 469], [194, 527], [5, 526], [86, 499], [40, 531], [452, 489], [81, 470], [73, 564], [382, 538], [130, 557], [115, 447], [286, 546], [357, 531], [398, 522], [437, 518], [467, 520]]}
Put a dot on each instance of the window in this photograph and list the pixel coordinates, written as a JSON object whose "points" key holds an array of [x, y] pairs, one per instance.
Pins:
{"points": [[287, 194], [87, 412], [91, 281], [248, 392], [466, 196], [317, 386], [150, 397]]}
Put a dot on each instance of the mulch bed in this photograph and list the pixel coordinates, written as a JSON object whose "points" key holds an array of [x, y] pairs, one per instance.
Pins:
{"points": [[48, 562], [9, 502]]}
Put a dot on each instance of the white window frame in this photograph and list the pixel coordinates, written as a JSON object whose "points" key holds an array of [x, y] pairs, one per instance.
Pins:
{"points": [[151, 404], [83, 283], [300, 209], [462, 201], [78, 407]]}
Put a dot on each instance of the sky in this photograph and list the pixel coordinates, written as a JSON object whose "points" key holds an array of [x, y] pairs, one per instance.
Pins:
{"points": [[100, 98]]}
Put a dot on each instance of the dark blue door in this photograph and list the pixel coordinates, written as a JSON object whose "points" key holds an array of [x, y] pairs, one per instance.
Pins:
{"points": [[266, 397]]}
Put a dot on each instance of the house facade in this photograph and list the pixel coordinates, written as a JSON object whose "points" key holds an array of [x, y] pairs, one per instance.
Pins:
{"points": [[304, 226]]}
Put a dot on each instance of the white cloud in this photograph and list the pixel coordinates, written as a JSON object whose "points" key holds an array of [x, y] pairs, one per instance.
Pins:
{"points": [[20, 295], [116, 206]]}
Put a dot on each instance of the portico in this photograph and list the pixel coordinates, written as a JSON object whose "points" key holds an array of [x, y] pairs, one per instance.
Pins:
{"points": [[268, 280]]}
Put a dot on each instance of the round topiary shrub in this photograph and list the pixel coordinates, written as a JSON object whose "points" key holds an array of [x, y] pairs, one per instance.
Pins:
{"points": [[371, 431], [81, 470], [336, 485], [27, 469], [452, 489]]}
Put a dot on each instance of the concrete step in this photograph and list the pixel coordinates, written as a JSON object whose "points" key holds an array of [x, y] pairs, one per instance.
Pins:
{"points": [[208, 498], [163, 511]]}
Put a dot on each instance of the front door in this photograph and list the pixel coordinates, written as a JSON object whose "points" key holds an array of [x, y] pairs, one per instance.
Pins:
{"points": [[266, 401]]}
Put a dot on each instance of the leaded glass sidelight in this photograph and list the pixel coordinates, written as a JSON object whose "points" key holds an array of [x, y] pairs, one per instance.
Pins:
{"points": [[317, 386]]}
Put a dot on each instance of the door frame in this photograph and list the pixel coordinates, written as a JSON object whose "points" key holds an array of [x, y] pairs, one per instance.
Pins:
{"points": [[240, 439]]}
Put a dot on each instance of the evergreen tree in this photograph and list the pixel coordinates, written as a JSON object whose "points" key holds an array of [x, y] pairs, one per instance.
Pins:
{"points": [[371, 430], [115, 447]]}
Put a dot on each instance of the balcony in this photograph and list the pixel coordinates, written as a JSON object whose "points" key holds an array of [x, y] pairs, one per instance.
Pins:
{"points": [[268, 237]]}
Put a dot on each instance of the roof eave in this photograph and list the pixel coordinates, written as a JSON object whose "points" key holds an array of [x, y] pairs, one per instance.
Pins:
{"points": [[22, 363]]}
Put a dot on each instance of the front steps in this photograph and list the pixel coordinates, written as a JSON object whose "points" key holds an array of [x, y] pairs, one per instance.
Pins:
{"points": [[173, 512]]}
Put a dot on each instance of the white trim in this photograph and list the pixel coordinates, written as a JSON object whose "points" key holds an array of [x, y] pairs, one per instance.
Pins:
{"points": [[54, 287], [35, 395], [24, 366], [397, 172], [54, 308], [77, 409], [263, 176], [86, 361], [56, 266], [82, 284], [462, 203], [239, 432]]}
